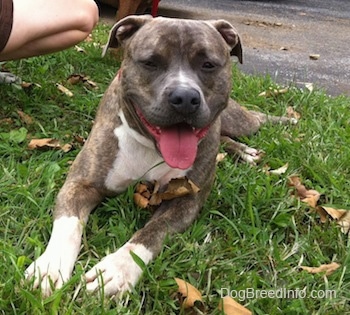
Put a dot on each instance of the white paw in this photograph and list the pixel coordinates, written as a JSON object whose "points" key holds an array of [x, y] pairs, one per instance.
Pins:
{"points": [[249, 155], [56, 264], [293, 121], [117, 272], [49, 269]]}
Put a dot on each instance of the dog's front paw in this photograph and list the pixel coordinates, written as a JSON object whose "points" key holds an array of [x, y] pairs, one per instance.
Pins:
{"points": [[49, 271], [54, 267], [118, 272]]}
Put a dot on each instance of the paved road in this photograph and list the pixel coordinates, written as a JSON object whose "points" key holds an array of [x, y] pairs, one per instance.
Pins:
{"points": [[280, 35]]}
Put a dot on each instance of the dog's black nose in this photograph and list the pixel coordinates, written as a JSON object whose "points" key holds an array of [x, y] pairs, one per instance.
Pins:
{"points": [[185, 100]]}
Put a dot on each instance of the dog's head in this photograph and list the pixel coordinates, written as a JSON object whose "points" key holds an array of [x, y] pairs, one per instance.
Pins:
{"points": [[176, 76]]}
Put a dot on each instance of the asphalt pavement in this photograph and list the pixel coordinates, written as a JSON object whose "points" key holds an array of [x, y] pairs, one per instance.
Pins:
{"points": [[298, 41]]}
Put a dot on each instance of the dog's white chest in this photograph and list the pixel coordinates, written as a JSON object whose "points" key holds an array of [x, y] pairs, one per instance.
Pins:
{"points": [[136, 159]]}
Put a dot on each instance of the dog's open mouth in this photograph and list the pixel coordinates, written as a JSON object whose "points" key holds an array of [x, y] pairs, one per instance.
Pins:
{"points": [[178, 143]]}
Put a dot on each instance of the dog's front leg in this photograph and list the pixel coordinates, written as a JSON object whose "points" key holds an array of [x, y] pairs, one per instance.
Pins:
{"points": [[118, 272], [54, 267]]}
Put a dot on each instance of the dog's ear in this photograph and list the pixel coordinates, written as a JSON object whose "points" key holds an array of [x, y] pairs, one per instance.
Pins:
{"points": [[124, 29], [230, 35]]}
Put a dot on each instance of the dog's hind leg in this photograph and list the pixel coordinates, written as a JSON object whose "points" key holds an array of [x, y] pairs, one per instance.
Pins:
{"points": [[237, 121]]}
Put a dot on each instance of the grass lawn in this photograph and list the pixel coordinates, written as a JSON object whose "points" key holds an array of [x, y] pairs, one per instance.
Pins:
{"points": [[252, 233]]}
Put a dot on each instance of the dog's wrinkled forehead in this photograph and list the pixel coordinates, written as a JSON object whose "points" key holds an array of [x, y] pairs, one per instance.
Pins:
{"points": [[167, 34], [167, 37]]}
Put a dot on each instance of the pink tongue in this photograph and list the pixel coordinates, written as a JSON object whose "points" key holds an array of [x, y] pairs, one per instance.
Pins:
{"points": [[178, 145]]}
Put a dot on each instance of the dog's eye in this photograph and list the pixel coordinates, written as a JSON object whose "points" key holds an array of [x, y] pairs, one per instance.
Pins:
{"points": [[208, 66], [150, 64]]}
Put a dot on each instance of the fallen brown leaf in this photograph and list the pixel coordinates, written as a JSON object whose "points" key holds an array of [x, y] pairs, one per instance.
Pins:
{"points": [[140, 200], [344, 223], [274, 92], [48, 144], [77, 78], [189, 295], [6, 121], [79, 49], [322, 213], [179, 187], [25, 117], [74, 79], [327, 268], [309, 196], [309, 86], [26, 85], [143, 194], [29, 85], [79, 139], [90, 84], [64, 90], [148, 194], [334, 213], [279, 171], [291, 113], [231, 307], [155, 199], [342, 216], [312, 198], [220, 157]]}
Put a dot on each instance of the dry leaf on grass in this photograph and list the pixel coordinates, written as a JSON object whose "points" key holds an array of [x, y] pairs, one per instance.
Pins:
{"points": [[79, 139], [279, 171], [231, 307], [148, 194], [77, 78], [322, 213], [179, 187], [48, 144], [344, 223], [6, 121], [28, 120], [29, 85], [309, 86], [142, 195], [79, 49], [340, 215], [327, 268], [220, 157], [188, 295], [64, 90], [334, 213], [74, 79], [312, 198], [274, 92], [309, 196], [291, 113]]}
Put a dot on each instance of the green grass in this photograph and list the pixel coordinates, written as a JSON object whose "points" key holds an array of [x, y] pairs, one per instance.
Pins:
{"points": [[251, 233]]}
